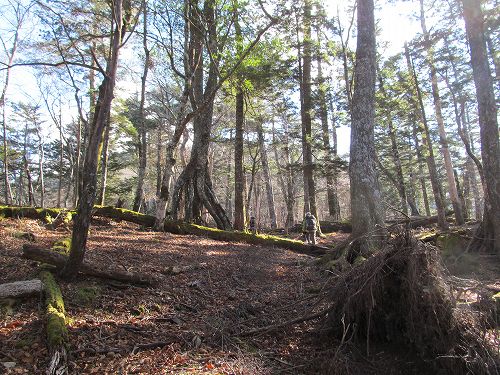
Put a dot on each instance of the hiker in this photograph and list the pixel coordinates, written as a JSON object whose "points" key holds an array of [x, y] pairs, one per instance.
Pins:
{"points": [[252, 226], [309, 228]]}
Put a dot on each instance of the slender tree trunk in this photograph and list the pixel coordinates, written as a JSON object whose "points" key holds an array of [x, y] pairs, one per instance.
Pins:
{"points": [[158, 159], [420, 159], [331, 193], [239, 175], [229, 182], [78, 162], [40, 167], [334, 155], [61, 161], [427, 143], [104, 162], [89, 177], [143, 147], [267, 177], [396, 159], [488, 235], [457, 208], [366, 208], [306, 108], [494, 56]]}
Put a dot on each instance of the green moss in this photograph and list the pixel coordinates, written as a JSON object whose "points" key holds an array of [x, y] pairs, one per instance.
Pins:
{"points": [[359, 259], [57, 332], [451, 244], [6, 306], [62, 246], [236, 236], [53, 295], [87, 295], [24, 236]]}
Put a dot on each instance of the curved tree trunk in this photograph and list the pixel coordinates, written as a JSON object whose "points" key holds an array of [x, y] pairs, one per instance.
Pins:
{"points": [[89, 174]]}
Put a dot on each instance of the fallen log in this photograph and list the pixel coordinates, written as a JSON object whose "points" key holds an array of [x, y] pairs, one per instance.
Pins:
{"points": [[327, 227], [18, 289], [119, 214], [58, 260], [417, 221], [57, 333], [178, 227]]}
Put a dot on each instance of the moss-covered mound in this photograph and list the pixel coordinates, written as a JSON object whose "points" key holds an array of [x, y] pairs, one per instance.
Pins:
{"points": [[400, 296]]}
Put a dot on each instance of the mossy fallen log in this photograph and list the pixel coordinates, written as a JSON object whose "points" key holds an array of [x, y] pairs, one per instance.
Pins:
{"points": [[178, 227], [123, 214], [30, 212], [59, 260], [57, 333]]}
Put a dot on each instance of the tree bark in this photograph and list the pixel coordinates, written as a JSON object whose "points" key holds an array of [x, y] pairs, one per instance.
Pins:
{"points": [[366, 208], [488, 236], [89, 176]]}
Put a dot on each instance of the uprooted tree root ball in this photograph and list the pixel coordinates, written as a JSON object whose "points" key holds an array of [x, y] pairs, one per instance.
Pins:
{"points": [[401, 296]]}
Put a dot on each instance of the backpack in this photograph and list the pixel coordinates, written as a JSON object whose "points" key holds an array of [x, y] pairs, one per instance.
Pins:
{"points": [[310, 223]]}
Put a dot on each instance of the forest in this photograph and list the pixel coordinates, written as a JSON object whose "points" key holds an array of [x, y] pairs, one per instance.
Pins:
{"points": [[160, 163]]}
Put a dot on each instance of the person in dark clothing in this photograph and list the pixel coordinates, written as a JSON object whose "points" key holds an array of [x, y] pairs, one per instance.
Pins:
{"points": [[309, 227], [252, 226]]}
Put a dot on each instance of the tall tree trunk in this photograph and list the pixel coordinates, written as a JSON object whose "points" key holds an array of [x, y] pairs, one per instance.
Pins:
{"points": [[488, 236], [420, 159], [89, 176], [141, 175], [331, 192], [158, 158], [366, 208], [306, 108], [41, 179], [267, 176], [104, 162], [10, 59], [396, 159], [427, 143], [457, 208], [229, 182], [285, 177], [195, 182], [239, 175]]}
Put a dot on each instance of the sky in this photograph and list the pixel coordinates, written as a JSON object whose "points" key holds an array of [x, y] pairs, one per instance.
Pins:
{"points": [[393, 20], [396, 27]]}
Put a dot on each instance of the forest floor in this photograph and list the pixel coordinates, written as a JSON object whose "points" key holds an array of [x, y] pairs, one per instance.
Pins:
{"points": [[210, 293]]}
